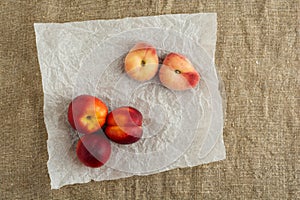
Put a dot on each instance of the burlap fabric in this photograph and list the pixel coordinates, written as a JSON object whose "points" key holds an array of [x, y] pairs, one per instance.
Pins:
{"points": [[257, 56]]}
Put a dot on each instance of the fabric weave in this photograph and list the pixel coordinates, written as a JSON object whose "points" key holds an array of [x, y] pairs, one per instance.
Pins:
{"points": [[257, 56]]}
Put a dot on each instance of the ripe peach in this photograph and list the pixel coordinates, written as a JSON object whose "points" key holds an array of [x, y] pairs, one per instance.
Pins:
{"points": [[124, 125], [87, 114], [178, 73], [93, 150], [141, 63]]}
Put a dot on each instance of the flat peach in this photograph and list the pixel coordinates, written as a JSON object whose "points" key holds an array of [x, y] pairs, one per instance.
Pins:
{"points": [[141, 63], [178, 73]]}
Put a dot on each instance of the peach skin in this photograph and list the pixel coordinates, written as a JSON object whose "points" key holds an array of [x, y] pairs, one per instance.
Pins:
{"points": [[141, 63], [87, 114], [124, 125], [93, 150], [178, 73]]}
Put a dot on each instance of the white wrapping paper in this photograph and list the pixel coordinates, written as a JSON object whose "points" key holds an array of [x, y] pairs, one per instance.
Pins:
{"points": [[181, 129]]}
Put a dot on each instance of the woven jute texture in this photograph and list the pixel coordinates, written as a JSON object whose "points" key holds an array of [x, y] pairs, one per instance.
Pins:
{"points": [[257, 56]]}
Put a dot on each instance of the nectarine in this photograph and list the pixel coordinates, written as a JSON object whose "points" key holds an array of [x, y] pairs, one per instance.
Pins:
{"points": [[93, 150], [124, 125], [87, 114]]}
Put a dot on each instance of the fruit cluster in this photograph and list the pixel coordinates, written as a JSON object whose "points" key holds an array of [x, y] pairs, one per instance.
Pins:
{"points": [[89, 115], [176, 71]]}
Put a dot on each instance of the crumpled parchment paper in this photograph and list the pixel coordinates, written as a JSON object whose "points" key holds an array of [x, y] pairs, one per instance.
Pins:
{"points": [[181, 129]]}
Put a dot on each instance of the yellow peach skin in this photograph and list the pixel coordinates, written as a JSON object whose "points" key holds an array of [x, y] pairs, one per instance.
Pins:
{"points": [[141, 63]]}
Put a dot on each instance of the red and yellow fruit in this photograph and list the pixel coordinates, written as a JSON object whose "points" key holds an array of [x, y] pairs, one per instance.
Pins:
{"points": [[141, 63], [178, 73], [124, 125], [87, 114]]}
